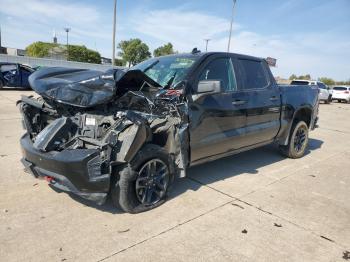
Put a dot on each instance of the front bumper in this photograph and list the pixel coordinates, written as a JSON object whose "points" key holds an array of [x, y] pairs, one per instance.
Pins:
{"points": [[79, 171]]}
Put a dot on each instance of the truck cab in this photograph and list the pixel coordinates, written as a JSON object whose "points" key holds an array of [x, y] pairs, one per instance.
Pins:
{"points": [[245, 111]]}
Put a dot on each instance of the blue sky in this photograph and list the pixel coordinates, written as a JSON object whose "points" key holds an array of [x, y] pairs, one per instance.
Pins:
{"points": [[306, 36]]}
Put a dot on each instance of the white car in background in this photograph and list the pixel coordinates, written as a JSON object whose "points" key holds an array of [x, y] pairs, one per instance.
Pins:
{"points": [[325, 93], [341, 93]]}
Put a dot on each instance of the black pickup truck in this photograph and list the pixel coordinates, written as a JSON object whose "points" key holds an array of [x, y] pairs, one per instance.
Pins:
{"points": [[128, 134]]}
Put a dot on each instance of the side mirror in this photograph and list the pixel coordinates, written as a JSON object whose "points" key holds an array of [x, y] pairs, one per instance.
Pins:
{"points": [[209, 86]]}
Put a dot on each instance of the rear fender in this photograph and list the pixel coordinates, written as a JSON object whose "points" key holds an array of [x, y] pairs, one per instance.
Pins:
{"points": [[302, 114]]}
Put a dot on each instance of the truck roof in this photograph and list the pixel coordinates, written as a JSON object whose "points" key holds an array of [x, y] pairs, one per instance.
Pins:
{"points": [[202, 54]]}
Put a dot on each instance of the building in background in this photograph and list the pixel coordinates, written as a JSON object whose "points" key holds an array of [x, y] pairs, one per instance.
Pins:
{"points": [[2, 49], [15, 51], [106, 61]]}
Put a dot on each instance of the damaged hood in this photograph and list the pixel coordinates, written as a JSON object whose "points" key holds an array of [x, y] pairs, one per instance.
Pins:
{"points": [[88, 88]]}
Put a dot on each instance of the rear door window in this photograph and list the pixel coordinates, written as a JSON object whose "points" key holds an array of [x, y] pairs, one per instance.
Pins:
{"points": [[252, 74]]}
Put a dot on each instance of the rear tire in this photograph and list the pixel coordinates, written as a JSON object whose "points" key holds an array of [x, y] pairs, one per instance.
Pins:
{"points": [[144, 183], [329, 99], [298, 141], [1, 85]]}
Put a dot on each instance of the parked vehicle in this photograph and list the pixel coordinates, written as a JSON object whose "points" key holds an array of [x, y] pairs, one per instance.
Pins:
{"points": [[325, 93], [15, 75], [131, 133], [341, 93]]}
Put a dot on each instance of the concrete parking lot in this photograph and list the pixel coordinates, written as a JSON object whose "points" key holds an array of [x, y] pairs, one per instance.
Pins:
{"points": [[255, 206]]}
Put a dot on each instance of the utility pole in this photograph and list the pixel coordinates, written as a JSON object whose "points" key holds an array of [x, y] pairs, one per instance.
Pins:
{"points": [[206, 44], [231, 25], [67, 29], [114, 28]]}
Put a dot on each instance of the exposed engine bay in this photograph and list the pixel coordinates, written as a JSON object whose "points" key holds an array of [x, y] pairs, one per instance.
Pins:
{"points": [[115, 113]]}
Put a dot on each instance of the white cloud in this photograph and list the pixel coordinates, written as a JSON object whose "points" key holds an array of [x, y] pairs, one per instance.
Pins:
{"points": [[187, 29], [39, 10], [317, 53], [24, 22]]}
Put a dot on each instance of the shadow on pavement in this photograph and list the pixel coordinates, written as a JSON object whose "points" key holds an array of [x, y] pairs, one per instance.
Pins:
{"points": [[246, 162], [106, 207]]}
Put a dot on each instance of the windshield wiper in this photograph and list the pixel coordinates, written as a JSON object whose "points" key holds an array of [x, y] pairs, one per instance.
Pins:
{"points": [[170, 82]]}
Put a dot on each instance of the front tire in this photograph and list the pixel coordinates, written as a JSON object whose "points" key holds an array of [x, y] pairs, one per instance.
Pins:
{"points": [[144, 183], [298, 141]]}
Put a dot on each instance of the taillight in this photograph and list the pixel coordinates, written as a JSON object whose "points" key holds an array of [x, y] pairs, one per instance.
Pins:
{"points": [[346, 92]]}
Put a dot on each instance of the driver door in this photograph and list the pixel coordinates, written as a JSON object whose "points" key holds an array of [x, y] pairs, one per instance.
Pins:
{"points": [[217, 120]]}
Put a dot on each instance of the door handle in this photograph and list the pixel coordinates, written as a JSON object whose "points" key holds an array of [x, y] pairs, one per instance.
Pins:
{"points": [[238, 102], [273, 98]]}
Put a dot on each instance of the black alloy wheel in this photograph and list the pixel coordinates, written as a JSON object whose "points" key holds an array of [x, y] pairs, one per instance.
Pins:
{"points": [[152, 182], [145, 182], [300, 139]]}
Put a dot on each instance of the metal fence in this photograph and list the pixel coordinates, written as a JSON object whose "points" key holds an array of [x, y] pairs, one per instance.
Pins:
{"points": [[33, 62]]}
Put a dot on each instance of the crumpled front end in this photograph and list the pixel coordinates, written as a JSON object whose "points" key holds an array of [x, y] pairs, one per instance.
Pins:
{"points": [[76, 150], [80, 172]]}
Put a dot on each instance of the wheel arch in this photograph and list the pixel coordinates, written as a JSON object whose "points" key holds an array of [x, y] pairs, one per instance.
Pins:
{"points": [[301, 114]]}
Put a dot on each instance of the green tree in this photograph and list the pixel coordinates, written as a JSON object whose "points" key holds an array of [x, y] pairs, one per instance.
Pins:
{"points": [[82, 54], [75, 52], [292, 77], [134, 51], [39, 49], [166, 49], [343, 83], [305, 77], [119, 62], [327, 81]]}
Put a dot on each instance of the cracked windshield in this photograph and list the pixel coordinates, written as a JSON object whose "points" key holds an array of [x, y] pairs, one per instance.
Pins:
{"points": [[167, 71]]}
